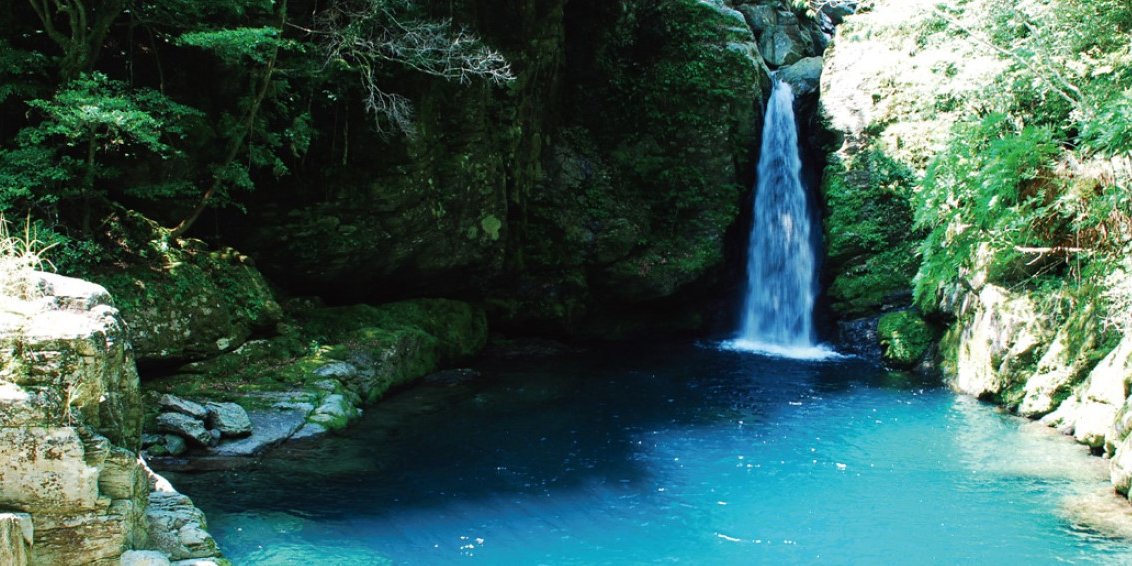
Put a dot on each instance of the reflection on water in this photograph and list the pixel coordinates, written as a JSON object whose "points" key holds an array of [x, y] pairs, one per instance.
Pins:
{"points": [[664, 455]]}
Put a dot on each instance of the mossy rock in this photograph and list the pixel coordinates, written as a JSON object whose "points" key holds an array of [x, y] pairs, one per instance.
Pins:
{"points": [[181, 300], [905, 337], [368, 349]]}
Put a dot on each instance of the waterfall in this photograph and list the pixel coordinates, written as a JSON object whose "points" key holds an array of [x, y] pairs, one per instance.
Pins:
{"points": [[778, 309]]}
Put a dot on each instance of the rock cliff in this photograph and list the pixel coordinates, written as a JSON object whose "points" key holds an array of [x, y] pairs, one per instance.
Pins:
{"points": [[72, 488]]}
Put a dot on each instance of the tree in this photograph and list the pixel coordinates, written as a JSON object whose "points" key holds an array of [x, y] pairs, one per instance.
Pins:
{"points": [[62, 157], [365, 35], [79, 28]]}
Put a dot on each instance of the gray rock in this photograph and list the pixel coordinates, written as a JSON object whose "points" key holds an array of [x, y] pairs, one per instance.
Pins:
{"points": [[837, 10], [184, 426], [176, 527], [336, 370], [230, 419], [174, 404], [151, 439], [270, 427], [804, 76], [215, 434], [759, 18], [174, 445], [783, 44], [144, 558], [310, 430]]}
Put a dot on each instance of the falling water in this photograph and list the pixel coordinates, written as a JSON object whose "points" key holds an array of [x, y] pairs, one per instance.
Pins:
{"points": [[781, 286]]}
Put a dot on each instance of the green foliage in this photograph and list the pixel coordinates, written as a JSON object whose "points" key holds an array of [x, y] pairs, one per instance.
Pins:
{"points": [[690, 95], [1110, 130], [240, 45], [867, 230], [982, 199], [21, 254], [89, 121], [19, 71]]}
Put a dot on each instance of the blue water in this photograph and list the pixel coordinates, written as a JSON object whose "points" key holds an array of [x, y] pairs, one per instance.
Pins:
{"points": [[667, 454]]}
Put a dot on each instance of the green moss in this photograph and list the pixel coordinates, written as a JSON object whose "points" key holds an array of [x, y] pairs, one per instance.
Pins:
{"points": [[905, 337], [870, 241]]}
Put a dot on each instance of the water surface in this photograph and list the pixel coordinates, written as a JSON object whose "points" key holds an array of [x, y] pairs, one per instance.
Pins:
{"points": [[669, 454]]}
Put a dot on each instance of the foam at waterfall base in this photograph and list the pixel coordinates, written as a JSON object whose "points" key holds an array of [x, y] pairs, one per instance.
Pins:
{"points": [[812, 352]]}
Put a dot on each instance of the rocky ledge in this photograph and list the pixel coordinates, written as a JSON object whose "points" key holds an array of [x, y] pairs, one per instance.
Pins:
{"points": [[313, 378]]}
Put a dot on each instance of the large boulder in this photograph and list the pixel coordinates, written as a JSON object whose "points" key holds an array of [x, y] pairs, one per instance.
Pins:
{"points": [[175, 404], [785, 43], [229, 418], [804, 76], [638, 193], [181, 300], [186, 427]]}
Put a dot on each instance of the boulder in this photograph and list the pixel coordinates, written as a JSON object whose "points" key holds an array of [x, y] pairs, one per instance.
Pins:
{"points": [[177, 527], [905, 337], [759, 17], [785, 43], [186, 301], [335, 412], [174, 445], [184, 426], [837, 10], [172, 403], [804, 76], [229, 418]]}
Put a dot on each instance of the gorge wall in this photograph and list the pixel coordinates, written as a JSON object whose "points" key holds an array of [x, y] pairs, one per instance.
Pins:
{"points": [[601, 183], [929, 109]]}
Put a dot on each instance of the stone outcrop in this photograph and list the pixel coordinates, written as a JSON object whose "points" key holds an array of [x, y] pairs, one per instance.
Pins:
{"points": [[70, 420], [1002, 350], [183, 301]]}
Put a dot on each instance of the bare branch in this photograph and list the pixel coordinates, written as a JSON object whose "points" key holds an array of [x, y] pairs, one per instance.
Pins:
{"points": [[367, 34]]}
